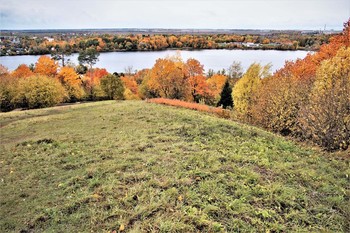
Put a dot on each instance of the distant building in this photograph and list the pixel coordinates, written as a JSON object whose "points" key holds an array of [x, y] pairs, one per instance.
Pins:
{"points": [[49, 39], [251, 45]]}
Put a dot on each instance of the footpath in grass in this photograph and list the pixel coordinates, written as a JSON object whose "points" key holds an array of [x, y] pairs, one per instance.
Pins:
{"points": [[140, 167]]}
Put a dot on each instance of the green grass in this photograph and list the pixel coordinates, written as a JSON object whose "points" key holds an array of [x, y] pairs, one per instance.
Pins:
{"points": [[154, 168]]}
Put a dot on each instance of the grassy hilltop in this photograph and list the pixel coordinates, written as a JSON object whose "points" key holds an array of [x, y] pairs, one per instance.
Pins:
{"points": [[136, 167]]}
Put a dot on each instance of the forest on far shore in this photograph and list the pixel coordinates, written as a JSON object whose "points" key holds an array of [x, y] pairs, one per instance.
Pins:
{"points": [[50, 43]]}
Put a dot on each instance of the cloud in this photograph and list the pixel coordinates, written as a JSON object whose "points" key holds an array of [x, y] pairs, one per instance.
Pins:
{"points": [[255, 14]]}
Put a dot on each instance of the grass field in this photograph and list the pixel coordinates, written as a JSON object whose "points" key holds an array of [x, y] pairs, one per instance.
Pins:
{"points": [[139, 167]]}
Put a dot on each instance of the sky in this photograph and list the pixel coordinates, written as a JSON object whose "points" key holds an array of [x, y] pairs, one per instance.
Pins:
{"points": [[199, 14]]}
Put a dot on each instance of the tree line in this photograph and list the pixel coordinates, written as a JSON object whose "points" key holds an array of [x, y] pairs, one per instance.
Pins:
{"points": [[40, 44]]}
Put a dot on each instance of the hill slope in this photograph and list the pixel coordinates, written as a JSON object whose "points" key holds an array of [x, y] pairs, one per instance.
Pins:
{"points": [[136, 167]]}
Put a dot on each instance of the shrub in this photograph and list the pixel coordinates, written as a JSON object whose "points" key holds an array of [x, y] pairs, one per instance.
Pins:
{"points": [[277, 102], [129, 95], [326, 119], [39, 92], [8, 86]]}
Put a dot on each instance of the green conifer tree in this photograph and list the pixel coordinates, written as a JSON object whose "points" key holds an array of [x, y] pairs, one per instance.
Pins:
{"points": [[226, 96]]}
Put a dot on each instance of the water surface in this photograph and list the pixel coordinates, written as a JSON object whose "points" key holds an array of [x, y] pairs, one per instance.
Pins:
{"points": [[211, 58]]}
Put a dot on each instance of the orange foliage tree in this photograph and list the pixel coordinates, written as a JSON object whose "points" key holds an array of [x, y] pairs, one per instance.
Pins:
{"points": [[167, 79], [215, 84], [200, 89], [131, 88], [193, 67], [22, 71], [91, 82], [46, 66], [72, 83]]}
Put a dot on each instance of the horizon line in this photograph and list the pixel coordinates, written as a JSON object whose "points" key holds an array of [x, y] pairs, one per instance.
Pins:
{"points": [[163, 28]]}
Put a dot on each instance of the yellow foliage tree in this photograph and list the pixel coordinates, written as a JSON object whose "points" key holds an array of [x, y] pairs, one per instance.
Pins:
{"points": [[246, 87], [39, 92]]}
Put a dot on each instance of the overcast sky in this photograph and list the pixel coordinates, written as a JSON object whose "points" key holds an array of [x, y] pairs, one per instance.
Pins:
{"points": [[221, 14]]}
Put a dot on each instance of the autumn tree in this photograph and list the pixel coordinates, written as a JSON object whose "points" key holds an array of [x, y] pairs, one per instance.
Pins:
{"points": [[246, 87], [277, 102], [200, 89], [39, 92], [234, 72], [22, 71], [140, 75], [71, 82], [8, 91], [96, 74], [145, 90], [91, 83], [193, 67], [168, 80], [112, 87], [131, 88], [210, 73], [215, 84], [129, 70], [46, 66]]}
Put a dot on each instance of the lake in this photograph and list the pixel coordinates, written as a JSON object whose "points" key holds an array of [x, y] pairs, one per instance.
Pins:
{"points": [[211, 58]]}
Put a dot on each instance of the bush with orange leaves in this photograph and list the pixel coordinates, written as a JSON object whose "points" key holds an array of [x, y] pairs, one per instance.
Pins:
{"points": [[194, 106]]}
